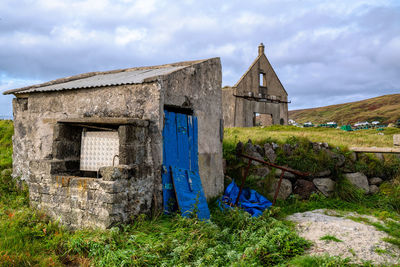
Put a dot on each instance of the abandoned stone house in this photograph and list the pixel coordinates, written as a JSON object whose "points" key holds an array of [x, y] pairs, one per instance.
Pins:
{"points": [[95, 148], [258, 98]]}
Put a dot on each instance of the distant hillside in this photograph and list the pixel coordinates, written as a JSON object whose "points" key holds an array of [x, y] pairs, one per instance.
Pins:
{"points": [[385, 109]]}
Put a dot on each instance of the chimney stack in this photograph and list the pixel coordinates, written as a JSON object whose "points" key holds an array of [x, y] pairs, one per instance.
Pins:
{"points": [[261, 49]]}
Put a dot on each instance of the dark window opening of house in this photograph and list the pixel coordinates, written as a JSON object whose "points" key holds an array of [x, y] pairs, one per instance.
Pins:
{"points": [[282, 121], [263, 85], [81, 146], [84, 149]]}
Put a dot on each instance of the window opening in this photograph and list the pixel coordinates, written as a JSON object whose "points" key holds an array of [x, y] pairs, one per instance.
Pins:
{"points": [[99, 149], [262, 79], [262, 119]]}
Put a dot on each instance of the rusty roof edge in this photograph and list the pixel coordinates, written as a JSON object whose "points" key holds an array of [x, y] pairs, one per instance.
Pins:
{"points": [[91, 74]]}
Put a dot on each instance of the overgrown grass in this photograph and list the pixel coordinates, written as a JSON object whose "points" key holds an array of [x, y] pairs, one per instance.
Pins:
{"points": [[312, 261], [6, 132], [233, 237], [29, 238], [335, 137]]}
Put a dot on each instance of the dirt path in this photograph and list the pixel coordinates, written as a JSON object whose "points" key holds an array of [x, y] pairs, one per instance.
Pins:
{"points": [[360, 242]]}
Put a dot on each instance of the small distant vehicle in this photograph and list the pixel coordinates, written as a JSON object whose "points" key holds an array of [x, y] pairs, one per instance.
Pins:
{"points": [[397, 124], [308, 124]]}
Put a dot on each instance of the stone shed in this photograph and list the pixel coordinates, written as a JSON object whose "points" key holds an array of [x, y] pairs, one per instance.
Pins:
{"points": [[92, 147], [257, 99]]}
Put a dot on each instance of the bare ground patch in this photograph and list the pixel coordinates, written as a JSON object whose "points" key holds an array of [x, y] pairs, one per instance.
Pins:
{"points": [[333, 233]]}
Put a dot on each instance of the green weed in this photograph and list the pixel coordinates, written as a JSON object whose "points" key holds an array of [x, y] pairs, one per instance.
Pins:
{"points": [[311, 261], [6, 132], [330, 238]]}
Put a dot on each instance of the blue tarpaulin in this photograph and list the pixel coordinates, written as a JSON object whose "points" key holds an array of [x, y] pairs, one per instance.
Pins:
{"points": [[249, 200]]}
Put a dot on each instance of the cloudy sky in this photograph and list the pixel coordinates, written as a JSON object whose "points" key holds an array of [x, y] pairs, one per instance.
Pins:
{"points": [[324, 52]]}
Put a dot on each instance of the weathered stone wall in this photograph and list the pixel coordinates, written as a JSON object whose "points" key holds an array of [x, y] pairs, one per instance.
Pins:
{"points": [[199, 88], [115, 196], [324, 179], [46, 154], [122, 193], [33, 134], [250, 82], [228, 106], [243, 114], [245, 109], [263, 119]]}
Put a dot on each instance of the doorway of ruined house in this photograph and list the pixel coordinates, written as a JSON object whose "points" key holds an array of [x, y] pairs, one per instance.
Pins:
{"points": [[181, 183], [262, 119]]}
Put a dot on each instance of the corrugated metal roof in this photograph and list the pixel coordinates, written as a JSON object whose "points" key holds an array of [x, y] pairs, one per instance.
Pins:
{"points": [[119, 78]]}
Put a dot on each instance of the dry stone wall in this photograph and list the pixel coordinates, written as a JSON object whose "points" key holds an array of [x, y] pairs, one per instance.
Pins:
{"points": [[323, 181]]}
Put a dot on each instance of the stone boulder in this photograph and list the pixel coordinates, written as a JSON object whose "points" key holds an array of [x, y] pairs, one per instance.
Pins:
{"points": [[337, 157], [261, 172], [304, 188], [316, 147], [274, 146], [253, 151], [353, 156], [359, 180], [239, 148], [288, 149], [375, 181], [373, 189], [259, 150], [269, 152], [288, 175], [325, 185], [284, 191], [325, 173]]}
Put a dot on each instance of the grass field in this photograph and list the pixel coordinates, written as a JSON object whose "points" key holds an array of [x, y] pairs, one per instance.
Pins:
{"points": [[334, 137], [6, 132], [384, 109], [232, 238]]}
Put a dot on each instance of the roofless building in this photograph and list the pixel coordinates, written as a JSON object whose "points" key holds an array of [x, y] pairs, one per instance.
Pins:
{"points": [[257, 99]]}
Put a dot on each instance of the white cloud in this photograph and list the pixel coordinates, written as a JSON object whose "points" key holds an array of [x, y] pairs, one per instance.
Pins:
{"points": [[124, 35], [329, 50]]}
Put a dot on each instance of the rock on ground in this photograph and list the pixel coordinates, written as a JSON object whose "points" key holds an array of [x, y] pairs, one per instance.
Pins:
{"points": [[262, 171], [375, 181], [288, 175], [373, 189], [304, 188], [269, 152], [359, 180], [325, 185], [284, 191], [360, 242]]}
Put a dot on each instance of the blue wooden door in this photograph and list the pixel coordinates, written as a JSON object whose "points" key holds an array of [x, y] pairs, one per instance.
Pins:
{"points": [[181, 182]]}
